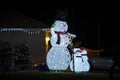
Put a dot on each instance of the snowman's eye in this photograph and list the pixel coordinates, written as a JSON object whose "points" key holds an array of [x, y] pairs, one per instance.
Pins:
{"points": [[64, 25], [61, 24]]}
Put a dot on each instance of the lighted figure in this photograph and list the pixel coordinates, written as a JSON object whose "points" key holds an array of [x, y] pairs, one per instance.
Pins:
{"points": [[80, 60], [58, 57], [86, 65], [76, 63]]}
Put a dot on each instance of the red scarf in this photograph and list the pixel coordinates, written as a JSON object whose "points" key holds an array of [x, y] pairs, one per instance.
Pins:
{"points": [[58, 34], [81, 48]]}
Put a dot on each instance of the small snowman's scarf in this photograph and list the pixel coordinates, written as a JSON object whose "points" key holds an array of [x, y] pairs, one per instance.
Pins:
{"points": [[81, 48], [58, 36]]}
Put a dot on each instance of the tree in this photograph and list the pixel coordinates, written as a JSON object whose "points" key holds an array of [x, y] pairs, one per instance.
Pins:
{"points": [[21, 54], [5, 55]]}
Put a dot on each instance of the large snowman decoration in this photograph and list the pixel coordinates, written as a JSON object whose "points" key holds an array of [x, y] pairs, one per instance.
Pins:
{"points": [[79, 62], [58, 57]]}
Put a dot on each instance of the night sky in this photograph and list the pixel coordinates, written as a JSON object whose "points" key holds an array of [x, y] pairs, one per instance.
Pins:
{"points": [[95, 24]]}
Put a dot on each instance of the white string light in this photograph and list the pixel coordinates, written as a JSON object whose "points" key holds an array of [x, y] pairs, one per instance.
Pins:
{"points": [[25, 30]]}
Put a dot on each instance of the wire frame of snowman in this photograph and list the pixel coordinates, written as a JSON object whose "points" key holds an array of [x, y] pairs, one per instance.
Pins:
{"points": [[79, 62], [58, 57]]}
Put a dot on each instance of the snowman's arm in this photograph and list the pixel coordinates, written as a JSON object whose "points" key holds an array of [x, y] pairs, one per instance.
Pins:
{"points": [[94, 51], [52, 31], [71, 35]]}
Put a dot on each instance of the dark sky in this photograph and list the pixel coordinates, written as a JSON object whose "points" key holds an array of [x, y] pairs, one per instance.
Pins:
{"points": [[95, 24]]}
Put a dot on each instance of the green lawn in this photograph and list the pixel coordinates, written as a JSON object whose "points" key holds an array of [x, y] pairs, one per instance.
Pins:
{"points": [[30, 75]]}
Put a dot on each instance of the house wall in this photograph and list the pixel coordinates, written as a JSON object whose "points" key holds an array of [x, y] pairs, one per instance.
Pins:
{"points": [[35, 42]]}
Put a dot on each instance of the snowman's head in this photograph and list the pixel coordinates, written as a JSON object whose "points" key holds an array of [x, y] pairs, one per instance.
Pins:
{"points": [[61, 26]]}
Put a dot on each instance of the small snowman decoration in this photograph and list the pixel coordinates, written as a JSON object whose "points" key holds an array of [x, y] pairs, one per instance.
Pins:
{"points": [[79, 62], [76, 63], [86, 65]]}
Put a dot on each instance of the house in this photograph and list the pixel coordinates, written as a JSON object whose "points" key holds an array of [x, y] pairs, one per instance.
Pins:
{"points": [[18, 28]]}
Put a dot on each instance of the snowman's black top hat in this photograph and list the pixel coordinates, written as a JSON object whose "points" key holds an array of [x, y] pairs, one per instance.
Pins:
{"points": [[61, 14]]}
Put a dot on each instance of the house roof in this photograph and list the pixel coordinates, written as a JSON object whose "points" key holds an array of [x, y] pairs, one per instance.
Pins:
{"points": [[18, 20]]}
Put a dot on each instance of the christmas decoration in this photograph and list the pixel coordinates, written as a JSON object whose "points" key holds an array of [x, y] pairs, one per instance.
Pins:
{"points": [[79, 62], [86, 65], [24, 30], [58, 57]]}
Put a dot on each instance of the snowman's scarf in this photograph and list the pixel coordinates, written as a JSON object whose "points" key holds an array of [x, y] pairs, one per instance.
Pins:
{"points": [[81, 49], [58, 36]]}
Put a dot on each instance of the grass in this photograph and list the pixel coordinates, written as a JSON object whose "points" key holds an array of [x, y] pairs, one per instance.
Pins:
{"points": [[31, 75]]}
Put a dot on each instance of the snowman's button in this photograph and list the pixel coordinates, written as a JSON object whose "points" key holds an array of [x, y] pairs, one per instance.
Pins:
{"points": [[68, 62]]}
